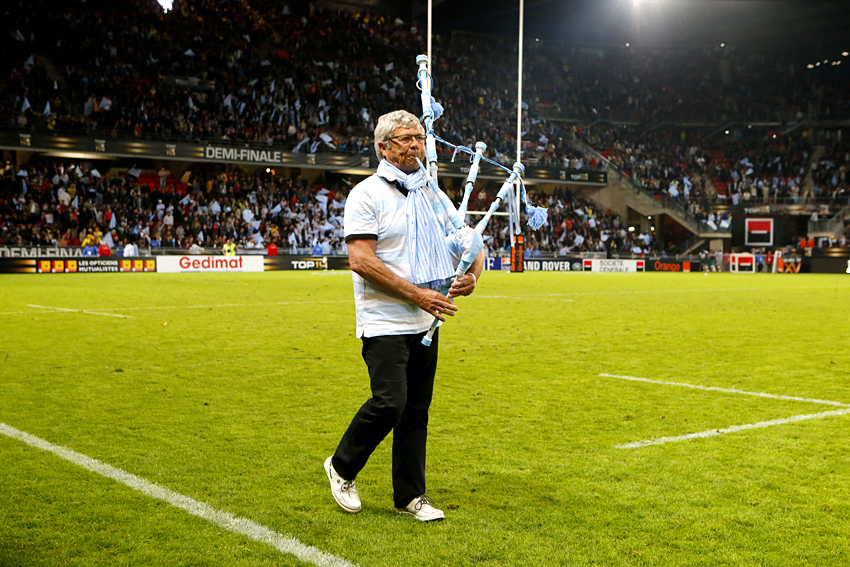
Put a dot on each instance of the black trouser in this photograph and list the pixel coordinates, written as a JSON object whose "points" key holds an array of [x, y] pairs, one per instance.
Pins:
{"points": [[402, 373]]}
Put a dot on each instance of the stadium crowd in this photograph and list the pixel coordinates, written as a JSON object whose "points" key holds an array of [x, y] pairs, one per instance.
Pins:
{"points": [[270, 73], [256, 73], [830, 171], [262, 72], [638, 85], [735, 169], [65, 206]]}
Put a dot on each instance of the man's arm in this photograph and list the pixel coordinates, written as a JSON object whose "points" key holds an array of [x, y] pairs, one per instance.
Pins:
{"points": [[364, 262], [465, 284]]}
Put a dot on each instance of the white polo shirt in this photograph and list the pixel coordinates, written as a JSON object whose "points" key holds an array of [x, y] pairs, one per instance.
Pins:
{"points": [[376, 210]]}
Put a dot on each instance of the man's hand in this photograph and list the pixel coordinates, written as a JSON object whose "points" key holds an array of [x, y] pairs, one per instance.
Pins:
{"points": [[435, 303], [463, 285]]}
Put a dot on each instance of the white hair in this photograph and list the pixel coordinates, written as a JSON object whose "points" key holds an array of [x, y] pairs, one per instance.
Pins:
{"points": [[389, 122]]}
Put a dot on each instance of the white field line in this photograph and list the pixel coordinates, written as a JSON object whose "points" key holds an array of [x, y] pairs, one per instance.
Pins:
{"points": [[224, 520], [157, 307], [80, 311], [547, 297], [647, 291], [166, 307], [727, 390], [733, 429]]}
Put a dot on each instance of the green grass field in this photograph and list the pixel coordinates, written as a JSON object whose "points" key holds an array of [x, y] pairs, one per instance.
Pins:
{"points": [[233, 389]]}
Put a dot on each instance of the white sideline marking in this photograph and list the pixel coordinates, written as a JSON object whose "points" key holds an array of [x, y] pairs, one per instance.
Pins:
{"points": [[229, 522], [548, 296], [80, 311], [728, 390], [733, 429], [156, 307], [161, 307], [105, 314], [645, 291]]}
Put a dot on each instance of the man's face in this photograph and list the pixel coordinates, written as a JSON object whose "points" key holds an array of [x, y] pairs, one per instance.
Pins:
{"points": [[404, 148]]}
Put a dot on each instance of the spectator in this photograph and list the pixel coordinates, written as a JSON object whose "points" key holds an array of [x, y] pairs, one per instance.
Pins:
{"points": [[104, 250]]}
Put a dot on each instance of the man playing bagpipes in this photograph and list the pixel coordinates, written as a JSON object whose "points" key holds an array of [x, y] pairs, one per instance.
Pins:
{"points": [[411, 253], [400, 262]]}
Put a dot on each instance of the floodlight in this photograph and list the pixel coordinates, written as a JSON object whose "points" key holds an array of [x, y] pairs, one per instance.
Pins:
{"points": [[166, 4], [628, 44], [722, 45], [727, 131], [810, 66], [845, 53]]}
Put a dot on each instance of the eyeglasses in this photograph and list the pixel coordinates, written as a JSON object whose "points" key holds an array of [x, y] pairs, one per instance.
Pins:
{"points": [[406, 140]]}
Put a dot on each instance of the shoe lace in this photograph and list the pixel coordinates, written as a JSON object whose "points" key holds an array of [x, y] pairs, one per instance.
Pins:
{"points": [[421, 502], [347, 485]]}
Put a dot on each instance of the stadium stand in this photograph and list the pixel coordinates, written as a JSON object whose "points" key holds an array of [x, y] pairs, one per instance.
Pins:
{"points": [[254, 210], [265, 73]]}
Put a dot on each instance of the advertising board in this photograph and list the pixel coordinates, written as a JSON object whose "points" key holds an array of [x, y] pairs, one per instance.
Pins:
{"points": [[94, 265], [555, 265], [183, 264], [627, 266], [684, 266]]}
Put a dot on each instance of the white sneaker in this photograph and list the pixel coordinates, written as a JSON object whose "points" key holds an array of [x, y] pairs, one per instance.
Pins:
{"points": [[344, 491], [422, 509]]}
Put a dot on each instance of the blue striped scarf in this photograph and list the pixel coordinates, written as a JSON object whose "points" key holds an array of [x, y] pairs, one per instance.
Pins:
{"points": [[426, 246]]}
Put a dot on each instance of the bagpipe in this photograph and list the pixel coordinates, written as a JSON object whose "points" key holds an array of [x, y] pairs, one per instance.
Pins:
{"points": [[461, 239]]}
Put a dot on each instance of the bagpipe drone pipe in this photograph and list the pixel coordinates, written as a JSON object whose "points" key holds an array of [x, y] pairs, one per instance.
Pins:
{"points": [[461, 239]]}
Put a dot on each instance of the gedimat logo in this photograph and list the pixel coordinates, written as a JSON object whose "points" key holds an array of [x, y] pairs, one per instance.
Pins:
{"points": [[180, 264], [211, 263]]}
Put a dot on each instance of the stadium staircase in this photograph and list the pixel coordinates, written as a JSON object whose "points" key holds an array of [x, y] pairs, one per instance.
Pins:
{"points": [[693, 245], [829, 228], [621, 194]]}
